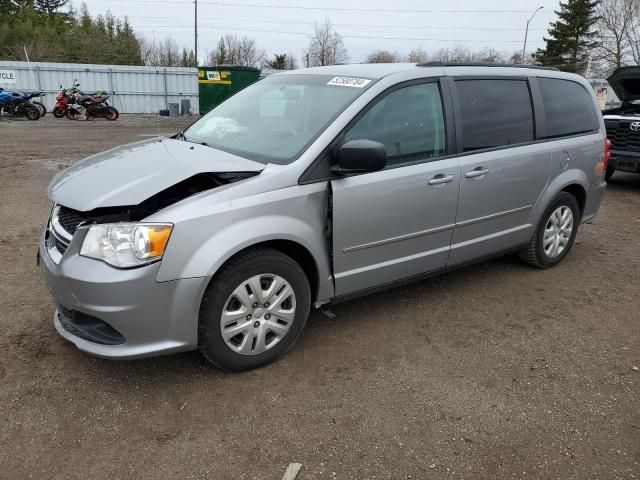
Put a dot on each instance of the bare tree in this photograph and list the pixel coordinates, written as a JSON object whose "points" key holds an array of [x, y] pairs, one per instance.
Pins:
{"points": [[233, 50], [516, 58], [326, 47], [418, 55], [618, 34], [248, 53], [633, 33], [458, 53], [383, 56], [165, 53], [491, 55]]}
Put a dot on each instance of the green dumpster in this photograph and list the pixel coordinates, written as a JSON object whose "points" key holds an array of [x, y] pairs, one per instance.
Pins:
{"points": [[216, 84]]}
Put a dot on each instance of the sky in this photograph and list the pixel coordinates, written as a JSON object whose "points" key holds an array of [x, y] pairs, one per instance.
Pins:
{"points": [[283, 26]]}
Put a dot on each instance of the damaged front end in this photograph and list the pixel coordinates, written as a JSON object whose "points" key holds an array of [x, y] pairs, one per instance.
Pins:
{"points": [[65, 221]]}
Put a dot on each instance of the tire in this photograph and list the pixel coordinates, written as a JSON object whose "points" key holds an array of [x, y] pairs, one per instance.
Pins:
{"points": [[111, 114], [72, 114], [535, 253], [59, 112], [609, 172], [163, 113], [41, 107], [258, 266], [31, 112]]}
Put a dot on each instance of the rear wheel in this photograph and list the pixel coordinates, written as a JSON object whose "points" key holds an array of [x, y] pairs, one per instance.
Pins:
{"points": [[41, 107], [254, 310], [555, 233], [111, 114]]}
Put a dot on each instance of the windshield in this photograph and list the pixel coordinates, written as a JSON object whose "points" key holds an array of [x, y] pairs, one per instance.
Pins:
{"points": [[275, 119]]}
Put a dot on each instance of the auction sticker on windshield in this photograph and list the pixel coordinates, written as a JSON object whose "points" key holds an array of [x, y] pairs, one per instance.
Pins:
{"points": [[349, 82]]}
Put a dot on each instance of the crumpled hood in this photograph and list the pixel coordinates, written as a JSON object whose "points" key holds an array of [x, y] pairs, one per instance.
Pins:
{"points": [[625, 81], [130, 174]]}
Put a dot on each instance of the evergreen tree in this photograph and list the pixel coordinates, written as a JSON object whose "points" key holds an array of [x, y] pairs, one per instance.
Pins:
{"points": [[188, 58], [49, 6], [572, 37], [220, 55]]}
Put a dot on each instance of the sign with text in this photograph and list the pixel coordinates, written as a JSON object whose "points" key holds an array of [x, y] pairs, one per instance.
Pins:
{"points": [[7, 76]]}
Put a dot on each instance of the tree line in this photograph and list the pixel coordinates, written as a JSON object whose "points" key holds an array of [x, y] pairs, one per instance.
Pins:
{"points": [[589, 37], [38, 30]]}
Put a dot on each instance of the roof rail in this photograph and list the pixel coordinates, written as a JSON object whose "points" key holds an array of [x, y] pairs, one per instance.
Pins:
{"points": [[484, 64]]}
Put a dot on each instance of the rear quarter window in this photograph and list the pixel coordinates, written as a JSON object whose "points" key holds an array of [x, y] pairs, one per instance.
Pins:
{"points": [[569, 109]]}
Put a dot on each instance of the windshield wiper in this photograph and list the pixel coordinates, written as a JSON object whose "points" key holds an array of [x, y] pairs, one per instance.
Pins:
{"points": [[181, 136]]}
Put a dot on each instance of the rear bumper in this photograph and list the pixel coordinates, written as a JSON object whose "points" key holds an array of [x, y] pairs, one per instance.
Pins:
{"points": [[144, 317]]}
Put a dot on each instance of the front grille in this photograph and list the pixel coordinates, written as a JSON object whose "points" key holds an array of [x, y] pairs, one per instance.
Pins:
{"points": [[622, 136], [70, 219], [60, 246], [62, 226]]}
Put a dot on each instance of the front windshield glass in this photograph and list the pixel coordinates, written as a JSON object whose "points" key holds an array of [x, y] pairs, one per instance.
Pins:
{"points": [[273, 120]]}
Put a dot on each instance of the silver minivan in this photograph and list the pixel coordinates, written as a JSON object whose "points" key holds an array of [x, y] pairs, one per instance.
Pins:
{"points": [[315, 186]]}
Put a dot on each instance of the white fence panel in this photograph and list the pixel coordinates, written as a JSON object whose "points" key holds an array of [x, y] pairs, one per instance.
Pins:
{"points": [[137, 89]]}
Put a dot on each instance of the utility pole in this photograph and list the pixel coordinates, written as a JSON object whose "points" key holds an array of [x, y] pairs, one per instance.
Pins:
{"points": [[526, 34], [195, 3]]}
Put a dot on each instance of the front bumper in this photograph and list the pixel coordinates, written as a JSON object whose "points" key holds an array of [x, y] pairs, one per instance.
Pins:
{"points": [[625, 161], [153, 317]]}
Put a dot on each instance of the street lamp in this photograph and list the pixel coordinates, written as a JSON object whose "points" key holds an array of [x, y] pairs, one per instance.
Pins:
{"points": [[526, 34]]}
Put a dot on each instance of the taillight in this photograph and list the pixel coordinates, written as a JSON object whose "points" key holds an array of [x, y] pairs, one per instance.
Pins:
{"points": [[607, 152]]}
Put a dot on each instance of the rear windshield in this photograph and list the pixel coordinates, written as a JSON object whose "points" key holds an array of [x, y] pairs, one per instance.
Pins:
{"points": [[275, 119]]}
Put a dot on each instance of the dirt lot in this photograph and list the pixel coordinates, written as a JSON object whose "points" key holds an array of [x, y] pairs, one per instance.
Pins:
{"points": [[495, 371]]}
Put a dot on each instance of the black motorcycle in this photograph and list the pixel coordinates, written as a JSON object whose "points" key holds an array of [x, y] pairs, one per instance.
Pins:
{"points": [[92, 106], [40, 105]]}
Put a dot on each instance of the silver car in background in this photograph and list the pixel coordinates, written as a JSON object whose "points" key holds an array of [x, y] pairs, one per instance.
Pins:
{"points": [[316, 186]]}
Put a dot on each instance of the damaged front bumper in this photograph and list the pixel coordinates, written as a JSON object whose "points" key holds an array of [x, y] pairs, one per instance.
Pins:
{"points": [[120, 313]]}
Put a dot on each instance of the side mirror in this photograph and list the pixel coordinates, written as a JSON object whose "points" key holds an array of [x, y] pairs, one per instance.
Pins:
{"points": [[360, 156]]}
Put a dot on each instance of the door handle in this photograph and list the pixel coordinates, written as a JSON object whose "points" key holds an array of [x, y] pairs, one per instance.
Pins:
{"points": [[477, 172], [441, 179]]}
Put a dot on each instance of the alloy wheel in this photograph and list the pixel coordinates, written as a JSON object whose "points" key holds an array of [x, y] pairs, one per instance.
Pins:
{"points": [[557, 232]]}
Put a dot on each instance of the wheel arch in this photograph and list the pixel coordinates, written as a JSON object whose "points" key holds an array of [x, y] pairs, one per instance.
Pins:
{"points": [[293, 249], [574, 182], [579, 193]]}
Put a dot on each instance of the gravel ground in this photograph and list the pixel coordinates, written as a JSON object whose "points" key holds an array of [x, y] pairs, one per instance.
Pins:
{"points": [[494, 371]]}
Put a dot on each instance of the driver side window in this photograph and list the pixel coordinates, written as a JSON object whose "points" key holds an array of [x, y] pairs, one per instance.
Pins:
{"points": [[409, 122]]}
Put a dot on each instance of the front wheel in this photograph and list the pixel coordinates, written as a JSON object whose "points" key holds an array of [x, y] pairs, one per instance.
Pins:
{"points": [[254, 310], [58, 112], [72, 114], [31, 112], [555, 233]]}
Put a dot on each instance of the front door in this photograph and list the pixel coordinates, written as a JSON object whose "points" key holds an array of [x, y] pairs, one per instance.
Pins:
{"points": [[398, 222]]}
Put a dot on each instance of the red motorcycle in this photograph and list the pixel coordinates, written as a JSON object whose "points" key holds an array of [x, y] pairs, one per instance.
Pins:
{"points": [[63, 99]]}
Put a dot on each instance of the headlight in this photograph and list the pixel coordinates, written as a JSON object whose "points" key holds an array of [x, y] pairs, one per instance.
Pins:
{"points": [[126, 244]]}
